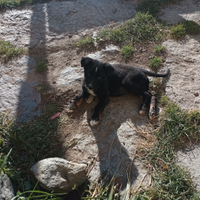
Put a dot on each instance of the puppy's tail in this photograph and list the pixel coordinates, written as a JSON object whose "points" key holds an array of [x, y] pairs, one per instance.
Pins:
{"points": [[156, 75]]}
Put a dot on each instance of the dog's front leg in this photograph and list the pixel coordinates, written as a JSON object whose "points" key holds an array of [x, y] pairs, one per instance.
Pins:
{"points": [[103, 100], [78, 100]]}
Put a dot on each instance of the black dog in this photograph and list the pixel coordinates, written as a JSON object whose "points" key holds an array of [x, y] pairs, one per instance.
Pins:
{"points": [[104, 80]]}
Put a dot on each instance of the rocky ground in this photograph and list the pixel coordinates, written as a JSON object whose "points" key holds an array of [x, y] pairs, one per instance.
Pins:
{"points": [[47, 31]]}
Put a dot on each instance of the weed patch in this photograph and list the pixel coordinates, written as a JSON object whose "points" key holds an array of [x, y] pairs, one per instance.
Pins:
{"points": [[156, 84], [51, 109], [127, 51], [177, 129], [178, 31], [155, 63], [143, 27], [8, 4], [152, 6], [191, 27], [84, 42], [42, 88], [42, 66], [159, 48], [8, 51], [30, 142]]}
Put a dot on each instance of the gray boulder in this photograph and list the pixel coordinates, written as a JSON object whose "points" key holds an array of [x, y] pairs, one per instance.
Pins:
{"points": [[59, 175], [6, 188]]}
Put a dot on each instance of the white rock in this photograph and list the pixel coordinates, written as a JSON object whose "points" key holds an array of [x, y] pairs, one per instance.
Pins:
{"points": [[59, 175], [6, 188]]}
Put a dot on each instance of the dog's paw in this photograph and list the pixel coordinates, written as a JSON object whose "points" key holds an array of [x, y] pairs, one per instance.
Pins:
{"points": [[71, 108], [142, 111], [90, 99], [94, 122]]}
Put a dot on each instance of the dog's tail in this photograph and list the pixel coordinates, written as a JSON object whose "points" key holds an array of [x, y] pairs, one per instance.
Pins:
{"points": [[156, 75]]}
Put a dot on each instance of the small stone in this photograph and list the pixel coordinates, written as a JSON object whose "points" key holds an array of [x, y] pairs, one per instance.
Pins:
{"points": [[196, 94], [168, 60]]}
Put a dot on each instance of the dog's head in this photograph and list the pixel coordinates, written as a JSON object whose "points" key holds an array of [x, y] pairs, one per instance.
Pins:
{"points": [[95, 72]]}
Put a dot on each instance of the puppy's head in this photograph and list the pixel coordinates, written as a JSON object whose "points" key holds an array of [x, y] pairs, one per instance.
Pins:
{"points": [[95, 72]]}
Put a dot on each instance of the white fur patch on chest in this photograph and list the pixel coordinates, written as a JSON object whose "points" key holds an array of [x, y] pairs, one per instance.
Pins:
{"points": [[91, 92]]}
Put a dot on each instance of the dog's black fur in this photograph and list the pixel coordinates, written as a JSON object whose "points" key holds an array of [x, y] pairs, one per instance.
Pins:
{"points": [[104, 80], [72, 195]]}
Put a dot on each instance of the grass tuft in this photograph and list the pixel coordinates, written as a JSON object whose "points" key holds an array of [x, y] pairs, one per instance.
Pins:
{"points": [[191, 27], [42, 88], [156, 84], [152, 6], [177, 129], [9, 4], [42, 66], [178, 31], [142, 28], [84, 42], [52, 109], [155, 63], [8, 51], [159, 48], [127, 51], [29, 142]]}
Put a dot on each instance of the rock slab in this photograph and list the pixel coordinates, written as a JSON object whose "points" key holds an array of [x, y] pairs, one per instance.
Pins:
{"points": [[59, 175], [6, 188]]}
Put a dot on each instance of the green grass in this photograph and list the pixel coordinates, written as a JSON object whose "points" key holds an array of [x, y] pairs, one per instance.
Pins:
{"points": [[8, 51], [30, 142], [126, 51], [84, 42], [163, 100], [187, 27], [176, 130], [178, 31], [159, 48], [155, 63], [51, 109], [42, 66], [156, 84], [142, 28], [42, 88], [191, 27], [8, 4], [152, 6]]}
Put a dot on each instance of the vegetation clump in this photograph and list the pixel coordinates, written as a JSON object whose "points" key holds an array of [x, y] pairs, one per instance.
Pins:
{"points": [[7, 51], [159, 48], [127, 51], [42, 66], [177, 129], [155, 63], [178, 31]]}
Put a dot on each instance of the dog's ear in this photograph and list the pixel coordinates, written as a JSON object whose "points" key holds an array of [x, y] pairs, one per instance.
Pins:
{"points": [[109, 68], [85, 61]]}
